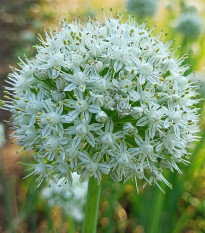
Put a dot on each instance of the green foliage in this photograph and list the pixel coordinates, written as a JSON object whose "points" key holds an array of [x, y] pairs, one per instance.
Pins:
{"points": [[122, 208]]}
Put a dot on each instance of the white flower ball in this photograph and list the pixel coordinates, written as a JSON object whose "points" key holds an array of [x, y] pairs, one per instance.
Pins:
{"points": [[71, 198], [104, 99], [142, 8], [189, 24]]}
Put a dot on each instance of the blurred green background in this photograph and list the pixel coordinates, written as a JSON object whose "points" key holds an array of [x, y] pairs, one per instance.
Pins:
{"points": [[122, 209]]}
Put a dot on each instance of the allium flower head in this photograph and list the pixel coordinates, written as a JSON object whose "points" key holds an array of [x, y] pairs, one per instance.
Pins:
{"points": [[189, 24], [142, 8], [71, 198], [104, 99], [2, 136]]}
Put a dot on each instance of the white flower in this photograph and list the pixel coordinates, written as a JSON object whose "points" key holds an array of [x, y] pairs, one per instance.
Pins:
{"points": [[53, 145], [122, 157], [104, 99], [81, 107], [171, 143], [107, 138], [174, 119], [28, 136], [52, 118], [83, 130], [189, 24], [142, 8], [41, 169], [72, 153], [123, 107], [145, 149], [153, 119], [101, 116], [78, 80], [128, 128], [71, 198], [92, 166]]}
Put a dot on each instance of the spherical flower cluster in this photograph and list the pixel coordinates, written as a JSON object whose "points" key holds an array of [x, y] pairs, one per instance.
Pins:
{"points": [[104, 99], [142, 8], [189, 24], [71, 198], [2, 136]]}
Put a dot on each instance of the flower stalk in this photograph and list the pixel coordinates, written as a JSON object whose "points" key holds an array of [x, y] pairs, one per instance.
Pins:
{"points": [[92, 205], [71, 226]]}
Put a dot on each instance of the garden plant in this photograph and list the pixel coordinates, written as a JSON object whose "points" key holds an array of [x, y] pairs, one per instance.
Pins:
{"points": [[104, 99]]}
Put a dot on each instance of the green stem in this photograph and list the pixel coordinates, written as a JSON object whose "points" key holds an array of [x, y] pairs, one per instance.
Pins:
{"points": [[71, 226], [110, 211], [92, 205], [156, 211], [183, 4], [6, 195]]}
